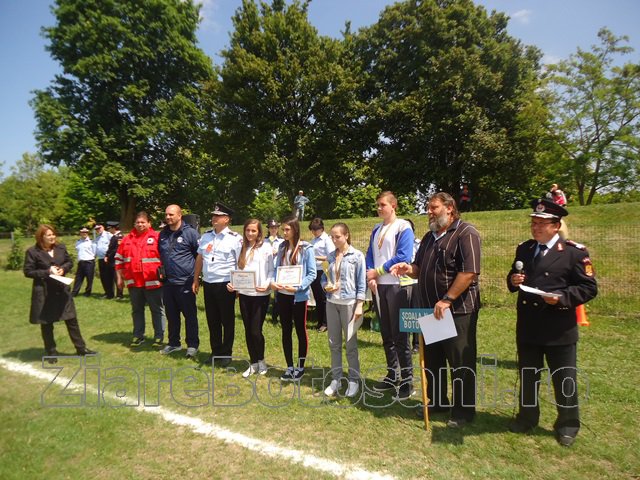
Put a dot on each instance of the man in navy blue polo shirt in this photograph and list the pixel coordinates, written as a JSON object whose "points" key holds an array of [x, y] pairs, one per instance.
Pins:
{"points": [[178, 246]]}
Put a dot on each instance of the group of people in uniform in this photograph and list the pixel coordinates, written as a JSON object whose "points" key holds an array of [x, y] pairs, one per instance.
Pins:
{"points": [[101, 249], [166, 270]]}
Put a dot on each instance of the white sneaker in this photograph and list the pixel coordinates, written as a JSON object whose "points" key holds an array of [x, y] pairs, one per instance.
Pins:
{"points": [[170, 349], [253, 368], [191, 353], [332, 389], [352, 389], [262, 367]]}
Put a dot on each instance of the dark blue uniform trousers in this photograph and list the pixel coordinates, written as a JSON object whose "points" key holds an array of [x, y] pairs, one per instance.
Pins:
{"points": [[181, 299]]}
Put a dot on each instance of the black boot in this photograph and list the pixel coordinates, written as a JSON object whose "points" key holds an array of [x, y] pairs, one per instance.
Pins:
{"points": [[85, 351], [52, 353]]}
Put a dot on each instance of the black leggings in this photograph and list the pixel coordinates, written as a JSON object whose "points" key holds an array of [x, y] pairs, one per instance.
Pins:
{"points": [[321, 299], [293, 313], [253, 310]]}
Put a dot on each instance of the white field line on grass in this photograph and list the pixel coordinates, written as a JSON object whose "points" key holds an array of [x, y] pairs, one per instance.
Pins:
{"points": [[209, 429]]}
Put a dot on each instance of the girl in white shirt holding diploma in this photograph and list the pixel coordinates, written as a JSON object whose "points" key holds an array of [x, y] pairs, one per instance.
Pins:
{"points": [[346, 287], [292, 299], [255, 256]]}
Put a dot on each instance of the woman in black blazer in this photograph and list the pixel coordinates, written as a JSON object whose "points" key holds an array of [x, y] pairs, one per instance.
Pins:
{"points": [[51, 300]]}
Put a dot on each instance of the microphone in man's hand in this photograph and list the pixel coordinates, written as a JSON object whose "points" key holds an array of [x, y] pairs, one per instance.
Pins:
{"points": [[519, 267]]}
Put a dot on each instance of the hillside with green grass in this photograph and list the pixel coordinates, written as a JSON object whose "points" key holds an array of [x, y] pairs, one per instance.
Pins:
{"points": [[610, 232], [98, 436]]}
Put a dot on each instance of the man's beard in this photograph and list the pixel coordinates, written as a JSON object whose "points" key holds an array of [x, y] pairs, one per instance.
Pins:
{"points": [[438, 223]]}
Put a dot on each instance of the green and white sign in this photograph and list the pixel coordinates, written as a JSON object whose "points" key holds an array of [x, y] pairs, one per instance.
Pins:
{"points": [[409, 318]]}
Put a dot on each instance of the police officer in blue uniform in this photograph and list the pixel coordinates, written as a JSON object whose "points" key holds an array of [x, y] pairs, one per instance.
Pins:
{"points": [[101, 242], [546, 326], [86, 251], [217, 255]]}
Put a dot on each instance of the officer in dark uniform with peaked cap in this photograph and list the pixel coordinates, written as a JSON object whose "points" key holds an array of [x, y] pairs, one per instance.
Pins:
{"points": [[116, 239], [546, 325]]}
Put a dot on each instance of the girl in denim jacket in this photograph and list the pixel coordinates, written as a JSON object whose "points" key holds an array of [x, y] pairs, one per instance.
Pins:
{"points": [[345, 287], [292, 300]]}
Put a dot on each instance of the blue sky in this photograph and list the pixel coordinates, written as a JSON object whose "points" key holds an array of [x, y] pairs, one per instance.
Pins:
{"points": [[557, 27]]}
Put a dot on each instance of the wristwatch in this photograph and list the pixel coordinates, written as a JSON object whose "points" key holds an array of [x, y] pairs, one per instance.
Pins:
{"points": [[447, 298]]}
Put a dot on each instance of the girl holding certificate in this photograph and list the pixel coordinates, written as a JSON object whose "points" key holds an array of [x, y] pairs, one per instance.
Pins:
{"points": [[346, 287], [295, 270], [255, 270], [47, 262]]}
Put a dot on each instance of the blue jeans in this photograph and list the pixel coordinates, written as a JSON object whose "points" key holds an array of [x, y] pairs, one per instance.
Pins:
{"points": [[141, 297]]}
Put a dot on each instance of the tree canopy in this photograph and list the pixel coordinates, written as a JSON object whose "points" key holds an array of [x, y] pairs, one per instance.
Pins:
{"points": [[452, 99], [433, 95], [287, 108], [31, 195], [596, 106], [126, 111]]}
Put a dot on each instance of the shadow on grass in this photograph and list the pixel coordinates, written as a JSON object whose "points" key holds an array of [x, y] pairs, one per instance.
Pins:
{"points": [[485, 423], [119, 338], [500, 364], [36, 354], [28, 354]]}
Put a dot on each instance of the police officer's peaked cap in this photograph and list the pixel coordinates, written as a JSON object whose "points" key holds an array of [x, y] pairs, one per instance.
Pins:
{"points": [[222, 209], [273, 223], [112, 223], [84, 230], [544, 208]]}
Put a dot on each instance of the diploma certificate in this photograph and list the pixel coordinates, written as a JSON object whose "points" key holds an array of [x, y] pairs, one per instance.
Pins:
{"points": [[290, 276], [242, 280], [62, 279]]}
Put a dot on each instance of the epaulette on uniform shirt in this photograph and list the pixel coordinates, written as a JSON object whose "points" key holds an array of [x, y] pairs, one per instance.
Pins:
{"points": [[586, 261], [579, 246]]}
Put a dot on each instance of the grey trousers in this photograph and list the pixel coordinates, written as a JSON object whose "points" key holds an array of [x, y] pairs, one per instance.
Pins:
{"points": [[338, 317]]}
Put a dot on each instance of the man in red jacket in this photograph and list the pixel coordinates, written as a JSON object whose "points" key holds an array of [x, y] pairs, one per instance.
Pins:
{"points": [[137, 262]]}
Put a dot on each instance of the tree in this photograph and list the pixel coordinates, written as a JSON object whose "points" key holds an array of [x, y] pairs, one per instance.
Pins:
{"points": [[84, 205], [287, 107], [126, 111], [269, 203], [31, 195], [596, 107], [451, 99]]}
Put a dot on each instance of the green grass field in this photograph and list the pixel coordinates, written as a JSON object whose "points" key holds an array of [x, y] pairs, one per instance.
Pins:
{"points": [[374, 433]]}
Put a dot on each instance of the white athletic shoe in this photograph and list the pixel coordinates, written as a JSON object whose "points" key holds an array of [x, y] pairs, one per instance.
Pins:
{"points": [[262, 367], [352, 389], [253, 368], [170, 349], [332, 389]]}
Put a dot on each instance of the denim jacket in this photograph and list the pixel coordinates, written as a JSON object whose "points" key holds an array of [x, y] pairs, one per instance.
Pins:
{"points": [[307, 259], [353, 275]]}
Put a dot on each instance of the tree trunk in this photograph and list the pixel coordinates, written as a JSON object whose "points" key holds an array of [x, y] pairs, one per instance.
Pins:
{"points": [[595, 177], [127, 210], [581, 193]]}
